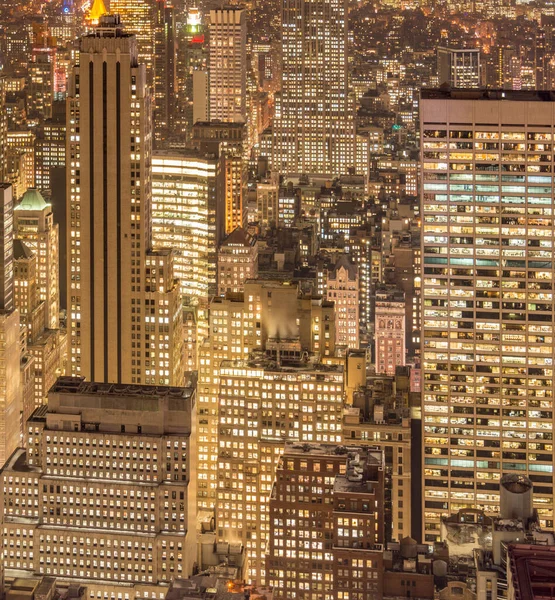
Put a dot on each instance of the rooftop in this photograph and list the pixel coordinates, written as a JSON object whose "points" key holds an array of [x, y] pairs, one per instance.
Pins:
{"points": [[486, 94], [78, 385], [32, 200]]}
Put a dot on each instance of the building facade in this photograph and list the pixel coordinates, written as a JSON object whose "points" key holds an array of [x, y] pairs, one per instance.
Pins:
{"points": [[237, 261], [326, 534], [314, 128], [390, 330], [261, 406], [228, 65], [115, 299], [487, 332], [459, 68], [103, 494], [343, 291], [267, 311]]}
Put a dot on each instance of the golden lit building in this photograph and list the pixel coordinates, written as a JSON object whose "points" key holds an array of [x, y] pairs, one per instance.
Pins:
{"points": [[237, 261], [262, 403], [48, 346], [97, 10], [343, 291], [314, 128], [186, 216], [326, 523], [228, 64], [389, 329], [138, 18], [34, 224], [229, 142], [124, 309], [104, 492], [240, 323], [487, 298], [10, 349]]}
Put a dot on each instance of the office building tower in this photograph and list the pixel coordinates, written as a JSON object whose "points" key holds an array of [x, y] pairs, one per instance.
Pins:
{"points": [[384, 413], [47, 347], [165, 74], [20, 154], [389, 329], [3, 131], [138, 18], [315, 127], [124, 310], [239, 324], [229, 142], [288, 206], [228, 65], [10, 385], [187, 216], [263, 402], [326, 523], [343, 291], [459, 67], [487, 298], [42, 68], [50, 147], [192, 70], [104, 491], [237, 261], [34, 224]]}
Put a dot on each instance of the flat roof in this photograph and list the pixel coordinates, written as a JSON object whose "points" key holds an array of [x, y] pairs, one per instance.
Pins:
{"points": [[448, 93]]}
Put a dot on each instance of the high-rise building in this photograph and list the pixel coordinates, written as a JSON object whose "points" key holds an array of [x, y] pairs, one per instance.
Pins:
{"points": [[34, 224], [48, 347], [326, 523], [459, 67], [187, 216], [237, 261], [165, 74], [50, 147], [10, 386], [389, 329], [40, 90], [315, 126], [3, 131], [240, 323], [343, 291], [229, 142], [262, 403], [138, 18], [228, 64], [487, 298], [124, 309], [105, 491]]}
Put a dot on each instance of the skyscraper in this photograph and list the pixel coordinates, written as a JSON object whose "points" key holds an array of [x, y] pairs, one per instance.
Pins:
{"points": [[113, 494], [262, 404], [459, 67], [315, 128], [3, 130], [165, 74], [34, 224], [228, 64], [186, 216], [10, 390], [343, 291], [124, 313], [487, 289]]}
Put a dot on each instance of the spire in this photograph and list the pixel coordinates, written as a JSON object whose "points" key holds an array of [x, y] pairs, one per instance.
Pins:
{"points": [[97, 10]]}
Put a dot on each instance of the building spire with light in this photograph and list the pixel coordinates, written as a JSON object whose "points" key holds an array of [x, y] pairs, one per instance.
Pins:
{"points": [[97, 10]]}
